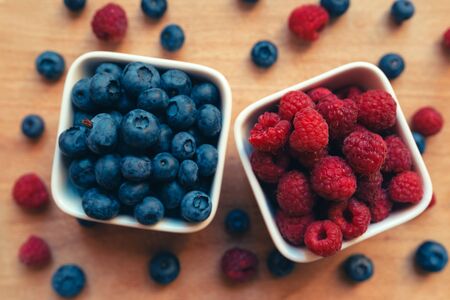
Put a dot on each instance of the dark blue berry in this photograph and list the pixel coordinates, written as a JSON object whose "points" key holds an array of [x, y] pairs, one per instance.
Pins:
{"points": [[392, 65], [79, 118], [264, 54], [181, 112], [117, 117], [80, 96], [86, 223], [107, 172], [138, 77], [164, 267], [111, 69], [68, 280], [149, 211], [176, 82], [205, 93], [431, 256], [199, 138], [50, 65], [33, 126], [171, 194], [82, 173], [153, 100], [165, 167], [402, 10], [335, 8], [136, 168], [165, 138], [104, 90], [203, 184], [250, 1], [99, 206], [172, 37], [131, 193], [420, 141], [206, 158], [125, 103], [237, 221], [196, 206], [188, 173], [209, 120], [183, 145], [75, 5], [72, 142], [140, 129], [358, 267], [103, 136], [278, 265], [154, 9]]}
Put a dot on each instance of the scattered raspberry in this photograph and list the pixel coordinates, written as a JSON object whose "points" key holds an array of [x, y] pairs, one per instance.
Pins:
{"points": [[268, 167], [427, 121], [406, 187], [321, 93], [323, 238], [365, 151], [352, 216], [432, 202], [306, 21], [379, 205], [30, 192], [341, 116], [311, 131], [239, 264], [398, 158], [110, 23], [368, 185], [333, 179], [294, 195], [34, 252], [293, 102], [270, 133], [293, 228], [446, 39], [377, 110], [309, 159]]}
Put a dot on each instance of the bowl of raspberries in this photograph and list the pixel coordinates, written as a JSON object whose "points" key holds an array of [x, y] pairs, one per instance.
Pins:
{"points": [[141, 142], [332, 162]]}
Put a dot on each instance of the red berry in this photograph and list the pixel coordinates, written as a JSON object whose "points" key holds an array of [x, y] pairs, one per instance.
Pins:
{"points": [[376, 110], [309, 159], [321, 93], [307, 21], [293, 102], [352, 216], [379, 205], [368, 185], [269, 167], [270, 133], [341, 116], [294, 196], [333, 179], [323, 238], [353, 92], [398, 158], [311, 131], [406, 187], [30, 192], [239, 264], [293, 228], [432, 202], [446, 38], [110, 23], [427, 121], [34, 252]]}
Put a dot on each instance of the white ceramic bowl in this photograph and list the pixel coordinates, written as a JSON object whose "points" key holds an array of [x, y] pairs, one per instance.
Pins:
{"points": [[69, 200], [362, 74]]}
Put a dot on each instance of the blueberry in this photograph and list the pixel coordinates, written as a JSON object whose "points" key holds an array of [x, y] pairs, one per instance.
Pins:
{"points": [[149, 211], [264, 54], [196, 206], [164, 267], [358, 267], [138, 77], [50, 65], [172, 37], [72, 142], [99, 206], [107, 171], [125, 104], [79, 117], [402, 10], [33, 126], [207, 158], [131, 193], [140, 129], [86, 223], [165, 167], [183, 145], [104, 90], [171, 194], [68, 280], [176, 82], [250, 1], [335, 8], [278, 265], [80, 96], [420, 141], [103, 136], [153, 100], [237, 221], [117, 117], [431, 256], [188, 173], [111, 69], [392, 65], [154, 9], [82, 173], [136, 168], [198, 137], [209, 120], [203, 184], [205, 93], [181, 112], [75, 5], [165, 138]]}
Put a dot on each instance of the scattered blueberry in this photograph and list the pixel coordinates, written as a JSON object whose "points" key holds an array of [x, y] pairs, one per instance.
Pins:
{"points": [[104, 90], [207, 158], [250, 1], [402, 10], [392, 65], [79, 118], [165, 138], [153, 100], [188, 173], [102, 137], [75, 5], [138, 77], [264, 54], [86, 223], [99, 206], [172, 37], [431, 256], [209, 120], [171, 194], [181, 112], [420, 141], [196, 206], [183, 146], [164, 267], [80, 96], [50, 65], [358, 267], [131, 193], [205, 93], [176, 82], [140, 129], [82, 173], [136, 168], [68, 280], [111, 69], [278, 265], [237, 221], [335, 8], [107, 171], [165, 167], [154, 9], [33, 126], [149, 211], [72, 142]]}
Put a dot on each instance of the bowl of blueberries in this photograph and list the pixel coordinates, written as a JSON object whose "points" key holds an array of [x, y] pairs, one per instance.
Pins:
{"points": [[141, 142]]}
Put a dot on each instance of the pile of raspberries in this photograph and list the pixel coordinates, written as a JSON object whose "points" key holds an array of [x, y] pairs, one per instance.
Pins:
{"points": [[336, 164]]}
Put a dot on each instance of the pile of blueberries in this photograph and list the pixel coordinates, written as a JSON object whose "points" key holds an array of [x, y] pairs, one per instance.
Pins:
{"points": [[143, 143]]}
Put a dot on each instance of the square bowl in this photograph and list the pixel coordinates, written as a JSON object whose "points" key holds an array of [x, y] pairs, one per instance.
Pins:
{"points": [[66, 196], [361, 74]]}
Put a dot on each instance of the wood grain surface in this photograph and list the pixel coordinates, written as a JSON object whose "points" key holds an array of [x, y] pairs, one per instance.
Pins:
{"points": [[219, 34]]}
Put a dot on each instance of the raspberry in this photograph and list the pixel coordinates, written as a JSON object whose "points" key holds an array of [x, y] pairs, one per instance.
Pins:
{"points": [[333, 179], [34, 252], [321, 93], [311, 131], [110, 23], [293, 228], [306, 21], [406, 187], [323, 238], [352, 216], [293, 102], [294, 195], [270, 133], [446, 39], [398, 157], [432, 202], [341, 116], [427, 121], [239, 264], [30, 192], [376, 109], [309, 159], [365, 151], [268, 167], [368, 185], [379, 205], [353, 92]]}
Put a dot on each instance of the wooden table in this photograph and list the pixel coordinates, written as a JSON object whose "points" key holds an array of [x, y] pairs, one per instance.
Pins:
{"points": [[220, 34]]}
